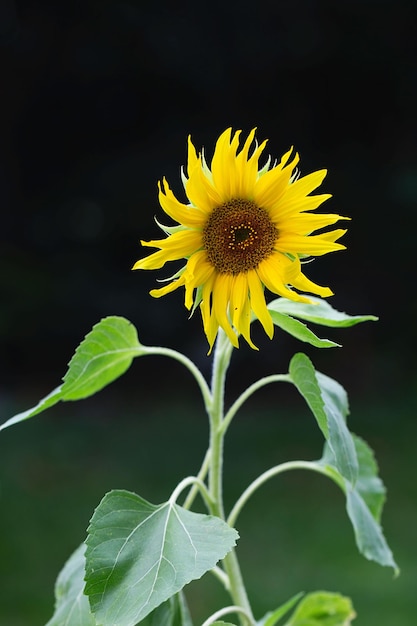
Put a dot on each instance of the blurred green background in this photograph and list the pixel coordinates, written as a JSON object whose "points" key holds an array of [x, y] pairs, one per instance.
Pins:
{"points": [[98, 100]]}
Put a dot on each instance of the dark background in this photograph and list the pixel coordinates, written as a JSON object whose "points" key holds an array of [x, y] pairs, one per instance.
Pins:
{"points": [[98, 101], [98, 98]]}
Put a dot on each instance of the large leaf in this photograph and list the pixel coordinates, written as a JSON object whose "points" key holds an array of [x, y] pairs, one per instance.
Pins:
{"points": [[320, 312], [71, 605], [104, 355], [139, 555], [322, 608], [328, 403], [300, 331]]}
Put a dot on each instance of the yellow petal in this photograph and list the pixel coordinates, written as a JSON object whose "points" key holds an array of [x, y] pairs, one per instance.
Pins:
{"points": [[187, 215], [238, 299], [307, 223], [223, 165], [210, 323], [162, 291], [286, 208], [270, 187], [197, 272], [273, 273], [305, 284], [316, 245], [153, 261], [247, 168], [193, 160], [305, 185], [245, 324], [201, 192], [177, 246], [183, 242], [221, 297], [258, 304]]}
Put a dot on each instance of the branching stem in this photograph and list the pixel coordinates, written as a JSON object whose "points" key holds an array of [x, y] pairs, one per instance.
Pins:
{"points": [[263, 478], [226, 611], [248, 392]]}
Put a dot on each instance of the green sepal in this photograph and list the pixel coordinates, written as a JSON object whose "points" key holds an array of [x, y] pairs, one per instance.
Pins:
{"points": [[320, 312], [139, 554]]}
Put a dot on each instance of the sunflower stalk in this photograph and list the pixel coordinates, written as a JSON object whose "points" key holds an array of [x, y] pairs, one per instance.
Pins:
{"points": [[222, 355]]}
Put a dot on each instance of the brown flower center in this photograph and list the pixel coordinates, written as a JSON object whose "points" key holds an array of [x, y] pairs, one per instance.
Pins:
{"points": [[238, 235]]}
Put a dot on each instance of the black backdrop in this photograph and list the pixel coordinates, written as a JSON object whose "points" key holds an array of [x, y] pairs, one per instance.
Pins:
{"points": [[98, 98]]}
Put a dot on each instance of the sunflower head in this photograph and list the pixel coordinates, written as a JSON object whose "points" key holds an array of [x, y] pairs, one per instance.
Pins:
{"points": [[245, 228]]}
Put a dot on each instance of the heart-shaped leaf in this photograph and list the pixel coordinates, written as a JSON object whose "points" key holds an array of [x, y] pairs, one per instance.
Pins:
{"points": [[139, 555]]}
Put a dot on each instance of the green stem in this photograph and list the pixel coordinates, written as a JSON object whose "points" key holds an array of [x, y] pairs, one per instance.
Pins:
{"points": [[274, 471], [274, 378], [177, 356], [222, 356], [226, 611], [201, 476], [196, 482]]}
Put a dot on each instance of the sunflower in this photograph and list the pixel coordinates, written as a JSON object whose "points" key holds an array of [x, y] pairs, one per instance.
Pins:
{"points": [[245, 228]]}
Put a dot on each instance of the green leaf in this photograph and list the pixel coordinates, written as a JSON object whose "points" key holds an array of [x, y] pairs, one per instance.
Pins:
{"points": [[321, 312], [53, 398], [364, 502], [328, 403], [223, 624], [71, 605], [323, 609], [369, 485], [271, 618], [104, 355], [138, 554], [299, 330], [368, 533], [303, 375]]}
